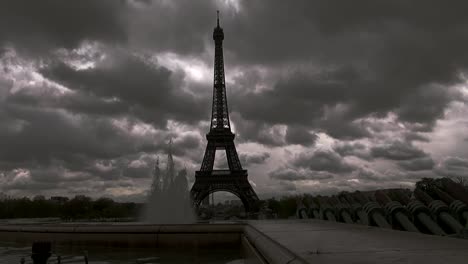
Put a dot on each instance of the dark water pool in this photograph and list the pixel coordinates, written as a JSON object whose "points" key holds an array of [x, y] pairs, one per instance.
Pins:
{"points": [[13, 252]]}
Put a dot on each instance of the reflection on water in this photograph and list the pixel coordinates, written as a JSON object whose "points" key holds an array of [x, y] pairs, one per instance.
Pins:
{"points": [[13, 252]]}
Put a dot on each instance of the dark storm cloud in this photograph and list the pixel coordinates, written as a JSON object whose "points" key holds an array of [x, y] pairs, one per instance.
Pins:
{"points": [[293, 70], [418, 164], [390, 56], [455, 163], [138, 87], [319, 27], [292, 101], [397, 150], [43, 134], [300, 135], [369, 175], [259, 132], [82, 102], [79, 102], [187, 142], [301, 101], [411, 136], [321, 160], [42, 178], [352, 149], [137, 172], [376, 58], [38, 135], [340, 127], [434, 102], [38, 26], [287, 186], [181, 26]]}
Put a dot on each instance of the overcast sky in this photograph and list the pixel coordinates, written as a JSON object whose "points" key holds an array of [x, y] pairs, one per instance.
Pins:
{"points": [[324, 95]]}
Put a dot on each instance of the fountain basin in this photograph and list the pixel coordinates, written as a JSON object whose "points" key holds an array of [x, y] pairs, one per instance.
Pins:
{"points": [[125, 235], [286, 241], [209, 238]]}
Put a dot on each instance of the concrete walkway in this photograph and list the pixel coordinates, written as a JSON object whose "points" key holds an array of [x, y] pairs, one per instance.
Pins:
{"points": [[316, 241]]}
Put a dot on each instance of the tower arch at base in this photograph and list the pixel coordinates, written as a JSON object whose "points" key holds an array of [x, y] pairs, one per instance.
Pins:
{"points": [[236, 183], [206, 194]]}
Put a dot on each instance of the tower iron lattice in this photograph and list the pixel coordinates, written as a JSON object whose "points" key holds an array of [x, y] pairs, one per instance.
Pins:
{"points": [[220, 136]]}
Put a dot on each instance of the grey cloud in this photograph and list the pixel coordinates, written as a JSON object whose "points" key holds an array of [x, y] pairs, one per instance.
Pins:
{"points": [[374, 62], [320, 160], [390, 57], [453, 167], [187, 142], [250, 131], [369, 175], [285, 174], [253, 158], [131, 84], [300, 135], [455, 163], [181, 26], [417, 164], [300, 101], [389, 179], [287, 186], [79, 102], [138, 172], [412, 136], [51, 142], [45, 134], [397, 150], [353, 149], [435, 100]]}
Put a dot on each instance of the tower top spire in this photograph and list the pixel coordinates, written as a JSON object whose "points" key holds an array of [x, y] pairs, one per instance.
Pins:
{"points": [[218, 33]]}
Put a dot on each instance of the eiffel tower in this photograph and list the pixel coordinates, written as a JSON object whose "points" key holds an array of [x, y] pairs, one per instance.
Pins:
{"points": [[234, 180]]}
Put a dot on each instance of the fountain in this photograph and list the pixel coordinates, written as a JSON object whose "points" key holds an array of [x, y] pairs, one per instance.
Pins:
{"points": [[169, 199]]}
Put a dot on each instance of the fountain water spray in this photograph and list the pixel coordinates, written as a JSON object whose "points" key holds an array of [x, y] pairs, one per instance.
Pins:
{"points": [[169, 200]]}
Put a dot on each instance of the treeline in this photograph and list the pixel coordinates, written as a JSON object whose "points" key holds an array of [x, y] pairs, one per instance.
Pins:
{"points": [[79, 207]]}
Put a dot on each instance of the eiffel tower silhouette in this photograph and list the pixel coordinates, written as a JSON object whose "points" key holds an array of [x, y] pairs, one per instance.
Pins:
{"points": [[234, 180]]}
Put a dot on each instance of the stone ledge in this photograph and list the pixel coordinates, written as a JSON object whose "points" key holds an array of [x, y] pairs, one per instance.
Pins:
{"points": [[272, 252]]}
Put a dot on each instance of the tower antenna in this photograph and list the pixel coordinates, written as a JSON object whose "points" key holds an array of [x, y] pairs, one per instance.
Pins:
{"points": [[217, 17]]}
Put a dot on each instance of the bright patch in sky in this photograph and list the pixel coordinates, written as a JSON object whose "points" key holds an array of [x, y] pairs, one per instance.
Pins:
{"points": [[82, 58], [195, 69], [24, 73], [232, 4]]}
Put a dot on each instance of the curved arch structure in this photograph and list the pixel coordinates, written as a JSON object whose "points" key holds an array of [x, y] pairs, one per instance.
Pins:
{"points": [[205, 186]]}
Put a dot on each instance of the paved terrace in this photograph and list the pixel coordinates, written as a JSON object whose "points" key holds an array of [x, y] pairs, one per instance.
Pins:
{"points": [[318, 241]]}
